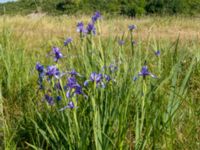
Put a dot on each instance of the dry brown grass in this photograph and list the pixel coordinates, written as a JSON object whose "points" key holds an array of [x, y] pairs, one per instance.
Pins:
{"points": [[39, 29]]}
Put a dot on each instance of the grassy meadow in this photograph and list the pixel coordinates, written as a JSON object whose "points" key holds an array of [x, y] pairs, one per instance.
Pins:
{"points": [[126, 111]]}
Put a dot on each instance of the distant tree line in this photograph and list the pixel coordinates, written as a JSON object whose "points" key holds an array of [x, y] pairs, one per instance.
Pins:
{"points": [[121, 7]]}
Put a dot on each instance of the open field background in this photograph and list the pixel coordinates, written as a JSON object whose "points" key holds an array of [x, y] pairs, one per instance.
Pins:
{"points": [[172, 104]]}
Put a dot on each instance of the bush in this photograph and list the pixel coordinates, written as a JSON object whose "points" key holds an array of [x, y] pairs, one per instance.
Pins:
{"points": [[124, 7]]}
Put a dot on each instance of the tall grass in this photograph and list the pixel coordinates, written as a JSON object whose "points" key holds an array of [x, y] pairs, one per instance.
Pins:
{"points": [[146, 113]]}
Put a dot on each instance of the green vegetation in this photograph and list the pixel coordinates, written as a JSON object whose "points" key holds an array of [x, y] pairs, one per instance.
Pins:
{"points": [[149, 113], [124, 7]]}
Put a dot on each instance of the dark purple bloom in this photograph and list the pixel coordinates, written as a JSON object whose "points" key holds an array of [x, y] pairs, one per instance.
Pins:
{"points": [[69, 105], [39, 67], [96, 16], [41, 74], [49, 99], [107, 77], [132, 27], [52, 71], [67, 41], [91, 28], [121, 42], [57, 53], [145, 72], [58, 98], [157, 53]]}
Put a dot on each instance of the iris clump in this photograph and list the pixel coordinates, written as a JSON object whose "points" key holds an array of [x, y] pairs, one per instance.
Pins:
{"points": [[71, 83]]}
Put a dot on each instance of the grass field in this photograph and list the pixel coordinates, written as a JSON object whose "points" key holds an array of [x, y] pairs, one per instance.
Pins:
{"points": [[132, 109]]}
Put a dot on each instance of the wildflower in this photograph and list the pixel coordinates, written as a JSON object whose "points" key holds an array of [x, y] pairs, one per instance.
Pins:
{"points": [[145, 72], [94, 77], [86, 83], [97, 78], [157, 53], [41, 72], [132, 27], [121, 42], [91, 28], [73, 87], [49, 99], [69, 105], [58, 98], [96, 16], [53, 71], [39, 67], [57, 53], [107, 77], [73, 72], [67, 41], [80, 27]]}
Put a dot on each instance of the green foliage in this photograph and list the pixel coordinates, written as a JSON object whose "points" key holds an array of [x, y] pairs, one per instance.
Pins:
{"points": [[124, 7], [144, 114]]}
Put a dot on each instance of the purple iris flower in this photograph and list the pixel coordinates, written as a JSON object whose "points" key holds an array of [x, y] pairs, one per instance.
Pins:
{"points": [[121, 42], [53, 71], [94, 77], [96, 16], [132, 27], [73, 87], [107, 77], [67, 41], [91, 28], [39, 67], [58, 98], [57, 53], [86, 83], [80, 27], [157, 53], [145, 72], [97, 78], [70, 105], [41, 74], [73, 72], [49, 99]]}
